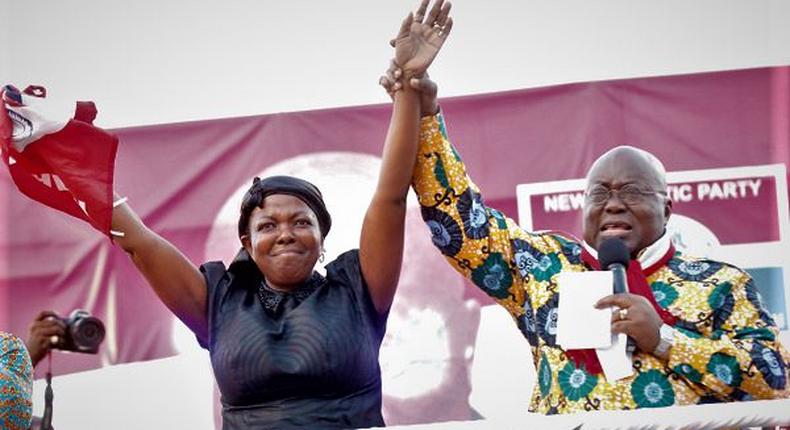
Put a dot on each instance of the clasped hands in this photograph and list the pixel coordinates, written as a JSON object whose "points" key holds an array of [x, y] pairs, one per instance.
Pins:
{"points": [[419, 40]]}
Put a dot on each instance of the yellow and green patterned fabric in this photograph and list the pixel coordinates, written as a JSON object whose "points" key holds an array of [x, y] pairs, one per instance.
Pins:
{"points": [[16, 383], [726, 346]]}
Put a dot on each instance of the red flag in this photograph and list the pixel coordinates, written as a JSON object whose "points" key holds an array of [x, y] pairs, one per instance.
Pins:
{"points": [[66, 164]]}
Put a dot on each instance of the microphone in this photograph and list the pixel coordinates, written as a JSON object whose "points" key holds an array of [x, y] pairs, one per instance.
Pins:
{"points": [[614, 256]]}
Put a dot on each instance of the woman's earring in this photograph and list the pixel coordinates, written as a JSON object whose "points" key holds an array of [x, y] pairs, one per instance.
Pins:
{"points": [[321, 257]]}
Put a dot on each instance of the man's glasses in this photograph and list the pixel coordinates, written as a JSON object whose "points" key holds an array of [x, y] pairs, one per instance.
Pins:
{"points": [[628, 194]]}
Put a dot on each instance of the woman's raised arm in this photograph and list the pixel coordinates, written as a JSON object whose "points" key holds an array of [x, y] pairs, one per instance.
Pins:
{"points": [[175, 279], [381, 243]]}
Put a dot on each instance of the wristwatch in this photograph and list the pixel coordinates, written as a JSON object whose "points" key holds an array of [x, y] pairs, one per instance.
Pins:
{"points": [[666, 340]]}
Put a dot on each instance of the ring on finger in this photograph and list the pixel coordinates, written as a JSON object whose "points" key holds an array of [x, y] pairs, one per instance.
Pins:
{"points": [[54, 339], [622, 313]]}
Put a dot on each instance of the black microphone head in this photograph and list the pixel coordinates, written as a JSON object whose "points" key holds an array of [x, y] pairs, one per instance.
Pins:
{"points": [[613, 251]]}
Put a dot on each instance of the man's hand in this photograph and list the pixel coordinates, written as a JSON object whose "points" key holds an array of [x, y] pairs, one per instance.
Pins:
{"points": [[420, 38], [634, 316], [45, 331], [423, 84]]}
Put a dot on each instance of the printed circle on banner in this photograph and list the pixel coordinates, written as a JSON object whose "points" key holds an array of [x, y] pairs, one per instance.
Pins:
{"points": [[412, 363], [346, 180], [691, 237]]}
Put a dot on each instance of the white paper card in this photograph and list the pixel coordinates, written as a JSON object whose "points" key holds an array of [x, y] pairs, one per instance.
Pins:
{"points": [[579, 324], [615, 361]]}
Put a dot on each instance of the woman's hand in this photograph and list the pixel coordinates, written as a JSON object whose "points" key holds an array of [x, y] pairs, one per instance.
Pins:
{"points": [[420, 38]]}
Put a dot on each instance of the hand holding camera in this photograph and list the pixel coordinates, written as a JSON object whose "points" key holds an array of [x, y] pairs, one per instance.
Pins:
{"points": [[79, 332]]}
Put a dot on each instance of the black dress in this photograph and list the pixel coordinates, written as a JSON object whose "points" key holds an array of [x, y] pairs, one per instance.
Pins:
{"points": [[306, 359]]}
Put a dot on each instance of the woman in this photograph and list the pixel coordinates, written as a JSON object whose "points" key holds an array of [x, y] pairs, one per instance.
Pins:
{"points": [[291, 348]]}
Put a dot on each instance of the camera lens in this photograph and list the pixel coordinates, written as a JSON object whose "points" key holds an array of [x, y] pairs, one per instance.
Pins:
{"points": [[87, 333]]}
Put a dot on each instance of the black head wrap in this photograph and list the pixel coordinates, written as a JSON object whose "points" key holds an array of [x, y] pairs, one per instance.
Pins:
{"points": [[299, 188]]}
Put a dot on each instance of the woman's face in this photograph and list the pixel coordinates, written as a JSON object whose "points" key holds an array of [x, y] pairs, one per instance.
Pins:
{"points": [[284, 240]]}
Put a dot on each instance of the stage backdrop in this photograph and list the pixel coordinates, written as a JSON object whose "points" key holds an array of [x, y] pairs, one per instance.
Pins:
{"points": [[184, 181]]}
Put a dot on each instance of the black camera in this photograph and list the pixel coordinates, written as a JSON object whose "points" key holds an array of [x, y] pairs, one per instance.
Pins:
{"points": [[84, 333]]}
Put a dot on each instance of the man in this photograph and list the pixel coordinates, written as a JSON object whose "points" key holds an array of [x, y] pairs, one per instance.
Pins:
{"points": [[700, 331], [16, 383]]}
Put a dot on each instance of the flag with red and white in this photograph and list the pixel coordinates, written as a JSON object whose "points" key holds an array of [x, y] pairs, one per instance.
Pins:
{"points": [[58, 158]]}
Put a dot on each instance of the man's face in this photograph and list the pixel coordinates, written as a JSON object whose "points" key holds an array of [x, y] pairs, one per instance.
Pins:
{"points": [[638, 214]]}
